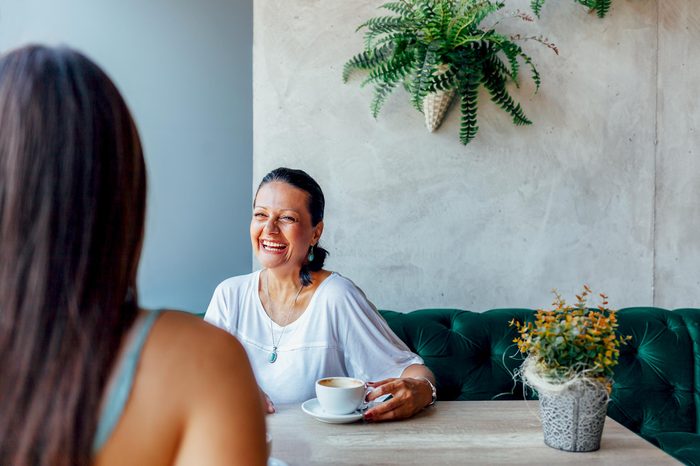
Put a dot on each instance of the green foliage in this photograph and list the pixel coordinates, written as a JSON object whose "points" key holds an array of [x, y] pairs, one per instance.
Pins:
{"points": [[469, 93], [536, 6], [601, 7], [494, 80], [433, 45], [571, 341]]}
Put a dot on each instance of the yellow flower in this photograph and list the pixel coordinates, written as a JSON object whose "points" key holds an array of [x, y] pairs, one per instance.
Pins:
{"points": [[567, 339]]}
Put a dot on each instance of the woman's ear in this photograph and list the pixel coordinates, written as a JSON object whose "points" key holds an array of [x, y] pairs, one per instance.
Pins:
{"points": [[318, 230]]}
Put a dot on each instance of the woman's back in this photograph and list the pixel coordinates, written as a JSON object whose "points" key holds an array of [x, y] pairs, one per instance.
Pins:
{"points": [[194, 401], [72, 214]]}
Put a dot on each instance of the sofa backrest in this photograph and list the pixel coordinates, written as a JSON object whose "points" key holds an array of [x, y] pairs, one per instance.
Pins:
{"points": [[474, 358]]}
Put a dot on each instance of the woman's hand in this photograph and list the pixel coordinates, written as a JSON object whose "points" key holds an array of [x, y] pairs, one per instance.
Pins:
{"points": [[409, 396], [268, 405]]}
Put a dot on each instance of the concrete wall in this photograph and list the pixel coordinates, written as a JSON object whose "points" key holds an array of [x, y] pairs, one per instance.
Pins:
{"points": [[602, 189], [185, 68], [677, 245]]}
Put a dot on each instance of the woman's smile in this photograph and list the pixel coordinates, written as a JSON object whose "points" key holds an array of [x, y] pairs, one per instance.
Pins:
{"points": [[272, 246]]}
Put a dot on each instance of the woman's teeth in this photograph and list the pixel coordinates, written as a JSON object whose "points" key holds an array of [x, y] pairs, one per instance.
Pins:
{"points": [[274, 246]]}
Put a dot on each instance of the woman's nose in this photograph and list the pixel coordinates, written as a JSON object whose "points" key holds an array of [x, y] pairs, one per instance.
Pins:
{"points": [[271, 226]]}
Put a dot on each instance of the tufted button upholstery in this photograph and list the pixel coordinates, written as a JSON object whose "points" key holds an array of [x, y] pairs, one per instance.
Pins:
{"points": [[653, 391], [473, 357]]}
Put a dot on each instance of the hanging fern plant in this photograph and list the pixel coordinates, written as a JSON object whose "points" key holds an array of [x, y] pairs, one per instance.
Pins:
{"points": [[432, 46], [601, 7]]}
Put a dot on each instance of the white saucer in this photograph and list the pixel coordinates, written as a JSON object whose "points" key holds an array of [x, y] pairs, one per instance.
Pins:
{"points": [[313, 409], [275, 462]]}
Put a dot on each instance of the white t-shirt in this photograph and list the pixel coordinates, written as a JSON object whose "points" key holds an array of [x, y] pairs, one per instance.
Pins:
{"points": [[339, 334]]}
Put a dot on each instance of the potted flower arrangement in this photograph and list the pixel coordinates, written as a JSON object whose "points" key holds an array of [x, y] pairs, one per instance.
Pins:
{"points": [[438, 49], [571, 351]]}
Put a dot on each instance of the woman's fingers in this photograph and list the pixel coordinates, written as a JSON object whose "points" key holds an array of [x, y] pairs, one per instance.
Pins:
{"points": [[380, 388], [381, 382], [387, 411], [405, 401], [268, 405]]}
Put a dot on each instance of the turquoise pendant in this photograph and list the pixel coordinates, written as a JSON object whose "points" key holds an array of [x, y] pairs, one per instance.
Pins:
{"points": [[273, 356]]}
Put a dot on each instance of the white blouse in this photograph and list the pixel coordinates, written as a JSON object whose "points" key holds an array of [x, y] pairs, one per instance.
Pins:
{"points": [[340, 333]]}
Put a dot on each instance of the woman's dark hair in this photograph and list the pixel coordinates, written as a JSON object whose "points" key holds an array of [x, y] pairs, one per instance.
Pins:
{"points": [[72, 204], [317, 203]]}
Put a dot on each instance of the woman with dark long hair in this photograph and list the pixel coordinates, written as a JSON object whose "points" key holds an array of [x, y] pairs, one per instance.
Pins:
{"points": [[300, 322], [86, 376]]}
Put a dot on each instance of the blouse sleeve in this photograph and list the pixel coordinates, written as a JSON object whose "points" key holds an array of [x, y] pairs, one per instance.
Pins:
{"points": [[218, 313], [372, 351]]}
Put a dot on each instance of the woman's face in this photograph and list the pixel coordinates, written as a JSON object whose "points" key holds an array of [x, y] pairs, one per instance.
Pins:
{"points": [[281, 230]]}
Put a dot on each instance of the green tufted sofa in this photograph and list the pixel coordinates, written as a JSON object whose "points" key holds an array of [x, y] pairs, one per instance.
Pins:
{"points": [[655, 392]]}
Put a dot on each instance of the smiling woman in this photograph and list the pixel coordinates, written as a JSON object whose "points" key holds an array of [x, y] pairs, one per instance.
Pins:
{"points": [[300, 322], [287, 225]]}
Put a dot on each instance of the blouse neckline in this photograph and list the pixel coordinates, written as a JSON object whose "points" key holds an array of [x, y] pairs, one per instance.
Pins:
{"points": [[291, 325]]}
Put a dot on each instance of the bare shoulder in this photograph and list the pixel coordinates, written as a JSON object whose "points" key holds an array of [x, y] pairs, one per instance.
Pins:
{"points": [[213, 374], [189, 334], [194, 357], [182, 344], [192, 384]]}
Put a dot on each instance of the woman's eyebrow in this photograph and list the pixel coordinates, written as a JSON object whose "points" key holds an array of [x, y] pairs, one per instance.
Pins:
{"points": [[284, 209]]}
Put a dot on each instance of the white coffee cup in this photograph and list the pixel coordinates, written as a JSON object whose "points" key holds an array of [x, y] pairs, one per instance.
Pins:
{"points": [[340, 395]]}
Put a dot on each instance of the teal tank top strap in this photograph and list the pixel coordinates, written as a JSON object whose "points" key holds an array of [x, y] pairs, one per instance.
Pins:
{"points": [[120, 389]]}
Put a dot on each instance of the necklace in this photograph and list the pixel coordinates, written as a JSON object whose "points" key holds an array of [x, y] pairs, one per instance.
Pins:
{"points": [[273, 356]]}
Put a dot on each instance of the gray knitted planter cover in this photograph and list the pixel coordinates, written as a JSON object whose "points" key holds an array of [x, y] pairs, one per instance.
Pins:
{"points": [[573, 419]]}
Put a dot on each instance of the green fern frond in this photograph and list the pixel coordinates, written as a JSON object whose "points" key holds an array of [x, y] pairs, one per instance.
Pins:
{"points": [[602, 7], [512, 52], [370, 37], [457, 27], [536, 6], [394, 38], [420, 87], [447, 17], [392, 70], [469, 93], [468, 18], [381, 93], [533, 71], [442, 82], [430, 27], [367, 60], [373, 36], [400, 8], [425, 10], [495, 83], [483, 12], [497, 64], [382, 24]]}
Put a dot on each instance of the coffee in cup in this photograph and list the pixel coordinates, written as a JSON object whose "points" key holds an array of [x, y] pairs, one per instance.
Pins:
{"points": [[340, 395]]}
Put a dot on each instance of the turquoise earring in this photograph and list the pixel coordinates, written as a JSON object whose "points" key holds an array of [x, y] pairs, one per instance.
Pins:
{"points": [[311, 253]]}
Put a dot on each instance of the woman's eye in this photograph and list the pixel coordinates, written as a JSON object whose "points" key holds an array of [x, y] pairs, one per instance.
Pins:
{"points": [[287, 218], [259, 215]]}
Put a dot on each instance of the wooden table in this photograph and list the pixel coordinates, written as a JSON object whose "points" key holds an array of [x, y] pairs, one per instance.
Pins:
{"points": [[451, 432]]}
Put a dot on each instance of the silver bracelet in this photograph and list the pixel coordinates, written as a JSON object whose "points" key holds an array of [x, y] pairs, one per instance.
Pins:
{"points": [[432, 389]]}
